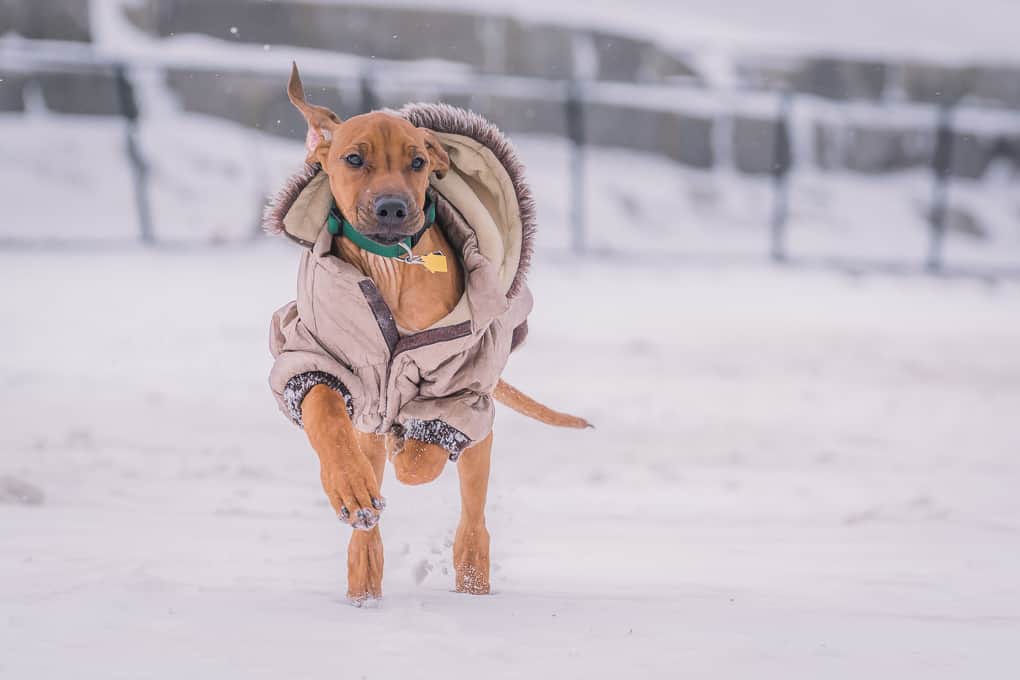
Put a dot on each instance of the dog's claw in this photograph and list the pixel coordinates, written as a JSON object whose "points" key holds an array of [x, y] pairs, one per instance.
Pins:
{"points": [[366, 519]]}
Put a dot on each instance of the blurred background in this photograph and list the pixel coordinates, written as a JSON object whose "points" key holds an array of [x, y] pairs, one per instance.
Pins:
{"points": [[885, 134], [778, 266]]}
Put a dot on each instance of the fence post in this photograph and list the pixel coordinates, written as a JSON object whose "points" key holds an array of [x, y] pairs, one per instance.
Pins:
{"points": [[366, 86], [139, 169], [942, 166], [782, 162], [574, 110]]}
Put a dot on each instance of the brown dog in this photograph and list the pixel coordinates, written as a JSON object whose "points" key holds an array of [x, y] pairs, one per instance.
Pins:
{"points": [[378, 166]]}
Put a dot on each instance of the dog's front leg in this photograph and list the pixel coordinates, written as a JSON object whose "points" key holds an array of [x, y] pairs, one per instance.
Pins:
{"points": [[347, 475], [471, 544], [351, 467]]}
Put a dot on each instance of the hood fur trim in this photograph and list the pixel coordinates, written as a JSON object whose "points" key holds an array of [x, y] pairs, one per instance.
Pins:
{"points": [[446, 118], [278, 206], [440, 118]]}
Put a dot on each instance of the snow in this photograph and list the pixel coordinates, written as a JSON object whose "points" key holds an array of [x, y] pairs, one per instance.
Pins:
{"points": [[99, 211], [795, 474], [209, 177]]}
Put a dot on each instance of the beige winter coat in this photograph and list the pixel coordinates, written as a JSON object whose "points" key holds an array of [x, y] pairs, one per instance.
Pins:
{"points": [[434, 385]]}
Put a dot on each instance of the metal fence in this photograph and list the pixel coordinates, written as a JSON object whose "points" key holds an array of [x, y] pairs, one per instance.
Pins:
{"points": [[573, 96]]}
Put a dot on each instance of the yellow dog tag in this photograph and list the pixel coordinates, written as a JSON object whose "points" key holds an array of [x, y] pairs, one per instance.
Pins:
{"points": [[434, 262]]}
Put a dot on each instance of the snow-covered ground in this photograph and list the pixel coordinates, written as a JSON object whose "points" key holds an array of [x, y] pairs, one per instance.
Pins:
{"points": [[795, 474], [208, 179]]}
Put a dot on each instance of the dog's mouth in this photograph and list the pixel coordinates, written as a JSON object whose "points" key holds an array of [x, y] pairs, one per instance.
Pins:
{"points": [[389, 234]]}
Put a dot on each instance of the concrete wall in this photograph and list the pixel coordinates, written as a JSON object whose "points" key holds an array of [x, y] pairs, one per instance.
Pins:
{"points": [[46, 19], [994, 85], [491, 44], [12, 86], [503, 44], [91, 92], [507, 46]]}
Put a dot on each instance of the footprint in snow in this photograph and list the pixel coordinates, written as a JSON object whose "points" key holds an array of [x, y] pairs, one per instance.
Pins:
{"points": [[15, 491]]}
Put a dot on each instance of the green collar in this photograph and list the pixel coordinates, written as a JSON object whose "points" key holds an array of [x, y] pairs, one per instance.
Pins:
{"points": [[338, 224]]}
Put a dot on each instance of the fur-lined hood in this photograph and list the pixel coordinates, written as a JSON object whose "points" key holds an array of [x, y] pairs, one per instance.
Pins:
{"points": [[435, 383], [485, 189]]}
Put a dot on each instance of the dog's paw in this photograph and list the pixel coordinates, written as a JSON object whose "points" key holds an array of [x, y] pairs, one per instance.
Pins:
{"points": [[365, 519], [418, 462], [471, 560], [353, 491], [364, 567], [364, 600]]}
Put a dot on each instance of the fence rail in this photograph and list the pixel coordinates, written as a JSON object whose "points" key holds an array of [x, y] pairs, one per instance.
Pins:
{"points": [[371, 82]]}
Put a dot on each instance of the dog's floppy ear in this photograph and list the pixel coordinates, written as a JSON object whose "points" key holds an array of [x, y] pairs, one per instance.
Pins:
{"points": [[321, 121], [437, 154]]}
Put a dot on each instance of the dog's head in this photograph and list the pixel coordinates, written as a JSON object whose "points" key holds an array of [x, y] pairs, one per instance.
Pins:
{"points": [[378, 166]]}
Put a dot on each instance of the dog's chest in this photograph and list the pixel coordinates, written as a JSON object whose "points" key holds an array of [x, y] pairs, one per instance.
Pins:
{"points": [[416, 297]]}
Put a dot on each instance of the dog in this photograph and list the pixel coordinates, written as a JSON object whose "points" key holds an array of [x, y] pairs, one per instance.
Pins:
{"points": [[379, 167]]}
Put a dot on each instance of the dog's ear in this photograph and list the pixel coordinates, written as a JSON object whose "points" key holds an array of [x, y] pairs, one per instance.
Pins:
{"points": [[321, 121], [437, 154]]}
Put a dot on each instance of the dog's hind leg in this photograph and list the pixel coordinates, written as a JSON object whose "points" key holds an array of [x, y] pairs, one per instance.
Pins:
{"points": [[365, 549], [471, 545]]}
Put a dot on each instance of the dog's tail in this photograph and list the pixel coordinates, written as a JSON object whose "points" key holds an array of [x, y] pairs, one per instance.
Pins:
{"points": [[509, 395]]}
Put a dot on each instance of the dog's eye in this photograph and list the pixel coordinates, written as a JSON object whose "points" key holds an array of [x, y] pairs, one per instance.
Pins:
{"points": [[418, 163], [354, 160]]}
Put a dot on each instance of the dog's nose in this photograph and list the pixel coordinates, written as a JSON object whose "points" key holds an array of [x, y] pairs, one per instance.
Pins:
{"points": [[390, 209]]}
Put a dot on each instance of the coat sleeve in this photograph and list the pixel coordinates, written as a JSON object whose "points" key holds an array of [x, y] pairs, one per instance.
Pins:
{"points": [[301, 363], [453, 423]]}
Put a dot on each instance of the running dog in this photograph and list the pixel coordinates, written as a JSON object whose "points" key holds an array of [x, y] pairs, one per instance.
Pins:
{"points": [[417, 226]]}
